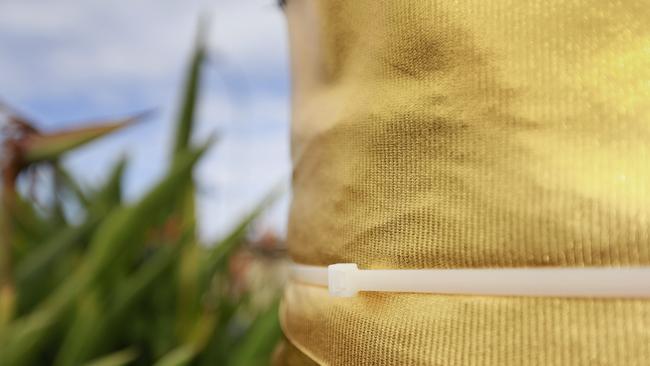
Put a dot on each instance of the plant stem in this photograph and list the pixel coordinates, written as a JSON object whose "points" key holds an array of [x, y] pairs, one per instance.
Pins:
{"points": [[7, 292]]}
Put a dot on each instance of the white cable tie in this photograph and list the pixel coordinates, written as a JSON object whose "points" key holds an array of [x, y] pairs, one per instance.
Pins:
{"points": [[346, 280]]}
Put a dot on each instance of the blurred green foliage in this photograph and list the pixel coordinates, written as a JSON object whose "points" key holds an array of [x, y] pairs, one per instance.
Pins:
{"points": [[131, 284]]}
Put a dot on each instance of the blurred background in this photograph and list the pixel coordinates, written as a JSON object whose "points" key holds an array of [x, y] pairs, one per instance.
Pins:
{"points": [[145, 181], [66, 61]]}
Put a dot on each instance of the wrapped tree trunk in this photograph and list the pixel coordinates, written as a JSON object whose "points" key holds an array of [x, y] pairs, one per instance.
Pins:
{"points": [[474, 134]]}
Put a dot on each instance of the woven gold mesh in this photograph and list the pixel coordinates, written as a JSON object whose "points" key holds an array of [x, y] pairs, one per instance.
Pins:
{"points": [[448, 134]]}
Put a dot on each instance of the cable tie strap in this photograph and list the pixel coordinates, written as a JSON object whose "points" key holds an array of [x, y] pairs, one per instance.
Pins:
{"points": [[346, 280]]}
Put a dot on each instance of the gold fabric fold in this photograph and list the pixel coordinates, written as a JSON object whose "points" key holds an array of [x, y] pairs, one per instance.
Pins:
{"points": [[466, 134], [417, 329]]}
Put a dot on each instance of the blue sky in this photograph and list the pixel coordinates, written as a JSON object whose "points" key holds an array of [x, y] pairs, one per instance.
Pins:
{"points": [[66, 61]]}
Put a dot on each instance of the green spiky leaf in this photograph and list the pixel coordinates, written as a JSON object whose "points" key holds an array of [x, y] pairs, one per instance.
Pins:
{"points": [[25, 335], [186, 116], [216, 259], [41, 147], [259, 341], [119, 358]]}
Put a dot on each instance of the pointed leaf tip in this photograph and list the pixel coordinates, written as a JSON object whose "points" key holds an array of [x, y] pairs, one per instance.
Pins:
{"points": [[40, 147]]}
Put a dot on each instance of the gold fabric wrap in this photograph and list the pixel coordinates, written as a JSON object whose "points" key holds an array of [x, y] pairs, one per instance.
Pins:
{"points": [[466, 134]]}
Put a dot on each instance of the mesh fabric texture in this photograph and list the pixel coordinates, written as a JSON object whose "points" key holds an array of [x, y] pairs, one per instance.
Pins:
{"points": [[469, 134]]}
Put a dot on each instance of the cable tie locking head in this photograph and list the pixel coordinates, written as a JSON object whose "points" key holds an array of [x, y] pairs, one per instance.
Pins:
{"points": [[341, 279]]}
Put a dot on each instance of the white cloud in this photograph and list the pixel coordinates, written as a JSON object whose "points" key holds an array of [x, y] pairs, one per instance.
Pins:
{"points": [[78, 42], [245, 165], [235, 180]]}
